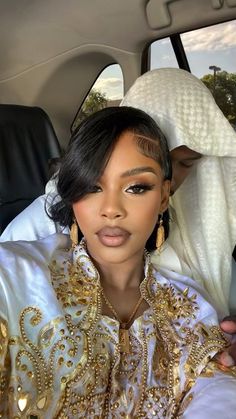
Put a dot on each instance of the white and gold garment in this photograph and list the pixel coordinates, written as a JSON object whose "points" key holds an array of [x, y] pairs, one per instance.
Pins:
{"points": [[60, 357]]}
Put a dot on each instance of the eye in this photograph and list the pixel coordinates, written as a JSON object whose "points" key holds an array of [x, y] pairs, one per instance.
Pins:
{"points": [[95, 189], [139, 188], [188, 165]]}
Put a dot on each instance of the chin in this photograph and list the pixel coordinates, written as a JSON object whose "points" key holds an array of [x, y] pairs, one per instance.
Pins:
{"points": [[115, 255]]}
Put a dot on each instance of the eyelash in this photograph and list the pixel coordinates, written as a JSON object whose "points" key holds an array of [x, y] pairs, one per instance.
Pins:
{"points": [[95, 189], [140, 188], [188, 166], [136, 189]]}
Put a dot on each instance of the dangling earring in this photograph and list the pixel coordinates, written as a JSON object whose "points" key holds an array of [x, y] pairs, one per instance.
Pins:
{"points": [[74, 233], [160, 234]]}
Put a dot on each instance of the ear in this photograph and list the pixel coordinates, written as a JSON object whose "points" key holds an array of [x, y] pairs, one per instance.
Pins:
{"points": [[165, 194]]}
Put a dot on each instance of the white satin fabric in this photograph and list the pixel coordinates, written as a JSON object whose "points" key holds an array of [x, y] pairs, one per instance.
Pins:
{"points": [[33, 223], [28, 288], [204, 234]]}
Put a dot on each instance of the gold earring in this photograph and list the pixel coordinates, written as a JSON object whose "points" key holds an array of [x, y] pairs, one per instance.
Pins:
{"points": [[160, 234], [74, 233]]}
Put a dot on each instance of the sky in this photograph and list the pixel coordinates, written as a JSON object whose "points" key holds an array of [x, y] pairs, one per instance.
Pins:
{"points": [[215, 45]]}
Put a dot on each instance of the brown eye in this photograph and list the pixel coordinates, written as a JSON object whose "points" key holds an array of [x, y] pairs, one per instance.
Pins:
{"points": [[139, 189], [95, 189]]}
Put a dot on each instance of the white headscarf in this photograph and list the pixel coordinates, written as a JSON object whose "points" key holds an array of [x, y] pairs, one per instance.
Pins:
{"points": [[205, 204]]}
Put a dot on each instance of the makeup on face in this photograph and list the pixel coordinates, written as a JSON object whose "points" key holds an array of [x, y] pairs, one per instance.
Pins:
{"points": [[122, 209]]}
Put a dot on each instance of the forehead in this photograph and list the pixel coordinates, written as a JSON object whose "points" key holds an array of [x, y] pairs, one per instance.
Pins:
{"points": [[128, 151], [184, 153]]}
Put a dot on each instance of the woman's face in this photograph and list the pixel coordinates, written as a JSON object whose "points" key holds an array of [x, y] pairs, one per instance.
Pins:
{"points": [[119, 215], [183, 159]]}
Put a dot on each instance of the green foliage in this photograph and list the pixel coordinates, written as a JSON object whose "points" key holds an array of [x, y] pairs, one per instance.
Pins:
{"points": [[223, 88], [93, 103]]}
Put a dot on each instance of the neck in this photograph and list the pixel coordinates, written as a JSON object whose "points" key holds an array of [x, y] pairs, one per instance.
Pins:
{"points": [[123, 276]]}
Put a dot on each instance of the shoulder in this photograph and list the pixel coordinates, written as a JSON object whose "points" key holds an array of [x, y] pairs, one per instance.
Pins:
{"points": [[185, 292], [24, 268], [169, 259], [33, 223], [21, 259], [187, 321], [31, 250]]}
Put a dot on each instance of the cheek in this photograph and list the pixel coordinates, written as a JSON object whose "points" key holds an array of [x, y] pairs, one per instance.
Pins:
{"points": [[147, 212], [82, 213]]}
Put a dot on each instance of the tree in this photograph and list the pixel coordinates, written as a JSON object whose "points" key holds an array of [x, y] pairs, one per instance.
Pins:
{"points": [[223, 87], [93, 103]]}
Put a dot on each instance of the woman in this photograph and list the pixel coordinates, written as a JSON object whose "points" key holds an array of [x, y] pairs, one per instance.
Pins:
{"points": [[188, 115], [203, 154], [93, 328]]}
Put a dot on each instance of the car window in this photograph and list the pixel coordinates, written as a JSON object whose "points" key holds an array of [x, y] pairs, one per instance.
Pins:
{"points": [[211, 53], [162, 54], [211, 46], [211, 56], [107, 90]]}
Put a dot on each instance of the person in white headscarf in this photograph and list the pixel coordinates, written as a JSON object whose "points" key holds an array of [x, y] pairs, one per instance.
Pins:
{"points": [[203, 228]]}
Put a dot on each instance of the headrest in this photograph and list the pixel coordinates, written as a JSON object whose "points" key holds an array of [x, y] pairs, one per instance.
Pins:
{"points": [[27, 143]]}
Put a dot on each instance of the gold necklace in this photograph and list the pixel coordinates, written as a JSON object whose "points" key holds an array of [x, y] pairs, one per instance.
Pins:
{"points": [[123, 330]]}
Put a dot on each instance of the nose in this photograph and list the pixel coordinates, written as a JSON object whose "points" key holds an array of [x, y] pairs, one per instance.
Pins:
{"points": [[112, 207]]}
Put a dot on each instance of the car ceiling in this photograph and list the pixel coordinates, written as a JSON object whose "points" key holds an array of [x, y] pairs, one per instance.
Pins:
{"points": [[52, 50]]}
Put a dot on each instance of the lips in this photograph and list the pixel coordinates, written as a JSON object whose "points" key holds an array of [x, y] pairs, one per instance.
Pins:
{"points": [[113, 236]]}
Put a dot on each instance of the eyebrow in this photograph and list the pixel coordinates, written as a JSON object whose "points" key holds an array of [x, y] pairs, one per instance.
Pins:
{"points": [[138, 170]]}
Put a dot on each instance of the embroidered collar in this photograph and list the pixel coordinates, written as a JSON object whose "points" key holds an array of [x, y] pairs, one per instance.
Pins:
{"points": [[82, 258]]}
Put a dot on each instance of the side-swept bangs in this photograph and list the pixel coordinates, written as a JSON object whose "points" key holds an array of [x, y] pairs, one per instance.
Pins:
{"points": [[90, 148]]}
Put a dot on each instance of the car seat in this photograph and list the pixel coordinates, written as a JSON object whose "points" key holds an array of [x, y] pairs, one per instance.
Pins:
{"points": [[27, 143]]}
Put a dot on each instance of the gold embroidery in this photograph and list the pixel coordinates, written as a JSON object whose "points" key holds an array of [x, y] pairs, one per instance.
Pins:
{"points": [[4, 366], [202, 343], [73, 364], [72, 286], [214, 365], [23, 401], [3, 330], [45, 337]]}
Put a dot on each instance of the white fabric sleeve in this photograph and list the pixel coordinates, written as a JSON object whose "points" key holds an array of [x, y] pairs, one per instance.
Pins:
{"points": [[169, 259], [4, 338], [33, 223], [211, 397]]}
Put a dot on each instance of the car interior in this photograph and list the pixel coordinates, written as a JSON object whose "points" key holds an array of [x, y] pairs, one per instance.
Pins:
{"points": [[53, 51]]}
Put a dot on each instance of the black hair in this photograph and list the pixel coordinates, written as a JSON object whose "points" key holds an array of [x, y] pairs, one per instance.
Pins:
{"points": [[90, 148]]}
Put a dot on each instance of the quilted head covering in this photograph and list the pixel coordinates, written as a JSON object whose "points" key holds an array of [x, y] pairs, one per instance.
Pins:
{"points": [[204, 233]]}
